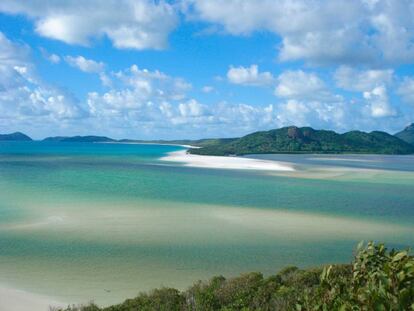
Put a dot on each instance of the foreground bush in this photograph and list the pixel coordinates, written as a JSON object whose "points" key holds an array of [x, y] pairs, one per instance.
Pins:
{"points": [[377, 279]]}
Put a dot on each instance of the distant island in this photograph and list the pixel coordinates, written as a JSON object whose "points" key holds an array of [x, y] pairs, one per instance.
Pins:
{"points": [[86, 139], [293, 139], [289, 139], [17, 136]]}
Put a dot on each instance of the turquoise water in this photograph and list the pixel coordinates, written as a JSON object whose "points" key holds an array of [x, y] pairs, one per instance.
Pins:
{"points": [[84, 221]]}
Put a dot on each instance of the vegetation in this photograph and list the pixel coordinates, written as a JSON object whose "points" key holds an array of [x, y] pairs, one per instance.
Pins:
{"points": [[377, 279], [17, 136], [407, 134], [307, 140]]}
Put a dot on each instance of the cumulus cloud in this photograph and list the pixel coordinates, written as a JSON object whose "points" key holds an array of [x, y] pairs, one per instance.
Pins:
{"points": [[249, 76], [207, 89], [373, 85], [132, 24], [85, 65], [319, 114], [406, 90], [191, 109], [138, 90], [52, 58], [302, 85], [153, 102], [362, 80], [337, 31], [378, 103], [24, 98]]}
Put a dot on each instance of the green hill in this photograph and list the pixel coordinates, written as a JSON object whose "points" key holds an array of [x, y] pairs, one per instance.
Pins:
{"points": [[307, 140], [17, 136], [407, 134]]}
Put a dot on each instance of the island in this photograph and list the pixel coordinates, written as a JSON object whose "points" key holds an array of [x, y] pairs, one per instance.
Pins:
{"points": [[294, 139], [17, 136], [80, 139]]}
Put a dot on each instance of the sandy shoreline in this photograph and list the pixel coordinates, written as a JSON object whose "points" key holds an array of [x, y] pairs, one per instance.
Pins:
{"points": [[12, 299], [219, 162]]}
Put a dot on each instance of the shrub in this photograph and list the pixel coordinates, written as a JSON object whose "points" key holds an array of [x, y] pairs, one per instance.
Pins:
{"points": [[378, 279]]}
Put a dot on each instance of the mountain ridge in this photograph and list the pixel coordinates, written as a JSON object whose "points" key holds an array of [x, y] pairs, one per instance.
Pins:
{"points": [[16, 136], [289, 139], [88, 138], [407, 134], [293, 139]]}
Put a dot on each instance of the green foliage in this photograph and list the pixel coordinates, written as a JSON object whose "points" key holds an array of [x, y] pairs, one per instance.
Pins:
{"points": [[307, 140], [378, 279], [164, 299]]}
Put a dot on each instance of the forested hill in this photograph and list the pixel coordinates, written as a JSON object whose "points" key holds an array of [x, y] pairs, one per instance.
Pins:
{"points": [[407, 134], [17, 136], [307, 140]]}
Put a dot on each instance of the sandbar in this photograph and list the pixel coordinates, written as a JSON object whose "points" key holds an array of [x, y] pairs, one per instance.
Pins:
{"points": [[221, 162]]}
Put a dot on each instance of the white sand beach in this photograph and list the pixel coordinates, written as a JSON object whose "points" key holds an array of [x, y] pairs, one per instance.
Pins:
{"points": [[18, 300], [219, 162]]}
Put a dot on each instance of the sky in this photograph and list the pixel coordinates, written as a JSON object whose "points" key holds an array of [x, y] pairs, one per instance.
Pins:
{"points": [[204, 68]]}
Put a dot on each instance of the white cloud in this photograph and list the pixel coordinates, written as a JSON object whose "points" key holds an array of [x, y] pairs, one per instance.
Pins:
{"points": [[337, 31], [146, 101], [317, 114], [136, 89], [207, 89], [406, 90], [53, 58], [132, 24], [362, 80], [373, 85], [378, 104], [191, 109], [85, 65], [149, 103], [249, 76], [302, 85], [25, 99], [152, 102]]}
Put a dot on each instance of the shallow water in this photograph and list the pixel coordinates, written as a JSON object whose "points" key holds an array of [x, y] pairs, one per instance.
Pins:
{"points": [[82, 221]]}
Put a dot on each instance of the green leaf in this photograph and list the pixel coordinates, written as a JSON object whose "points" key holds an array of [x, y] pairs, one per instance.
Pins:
{"points": [[399, 256]]}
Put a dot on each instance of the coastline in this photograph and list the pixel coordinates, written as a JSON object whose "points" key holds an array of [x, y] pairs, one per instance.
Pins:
{"points": [[219, 162], [13, 299]]}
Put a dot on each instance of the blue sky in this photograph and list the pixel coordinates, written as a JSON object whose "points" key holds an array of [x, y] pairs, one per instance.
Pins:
{"points": [[196, 68]]}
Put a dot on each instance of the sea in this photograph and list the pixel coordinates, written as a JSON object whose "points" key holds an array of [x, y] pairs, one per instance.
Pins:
{"points": [[101, 222]]}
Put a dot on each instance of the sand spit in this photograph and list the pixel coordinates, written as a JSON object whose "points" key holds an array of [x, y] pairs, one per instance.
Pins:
{"points": [[219, 162]]}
